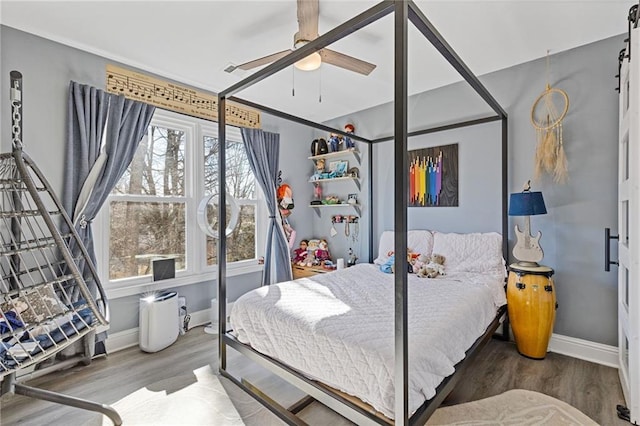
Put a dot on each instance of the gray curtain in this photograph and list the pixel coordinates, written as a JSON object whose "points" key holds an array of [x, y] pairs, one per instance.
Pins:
{"points": [[104, 131], [263, 150]]}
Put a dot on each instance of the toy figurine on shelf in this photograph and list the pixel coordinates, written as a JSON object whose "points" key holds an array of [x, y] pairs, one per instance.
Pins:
{"points": [[319, 174], [300, 254], [352, 258], [317, 194], [348, 142], [334, 143]]}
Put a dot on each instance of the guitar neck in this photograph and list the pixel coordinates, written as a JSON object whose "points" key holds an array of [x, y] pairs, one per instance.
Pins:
{"points": [[527, 232]]}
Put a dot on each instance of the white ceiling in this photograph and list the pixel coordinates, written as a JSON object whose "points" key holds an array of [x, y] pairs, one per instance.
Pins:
{"points": [[193, 41]]}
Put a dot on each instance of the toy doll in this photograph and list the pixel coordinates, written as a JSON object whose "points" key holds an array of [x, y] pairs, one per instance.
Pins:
{"points": [[334, 143], [348, 142], [322, 252], [300, 253], [319, 174]]}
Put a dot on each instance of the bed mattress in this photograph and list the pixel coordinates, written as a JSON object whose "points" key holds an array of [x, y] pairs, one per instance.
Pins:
{"points": [[338, 328]]}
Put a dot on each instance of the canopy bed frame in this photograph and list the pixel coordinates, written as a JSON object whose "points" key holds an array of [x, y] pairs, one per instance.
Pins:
{"points": [[404, 11]]}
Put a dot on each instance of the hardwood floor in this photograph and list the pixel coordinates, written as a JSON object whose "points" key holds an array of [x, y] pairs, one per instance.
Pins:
{"points": [[592, 388]]}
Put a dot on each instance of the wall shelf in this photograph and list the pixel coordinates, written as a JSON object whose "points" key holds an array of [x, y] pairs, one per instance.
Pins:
{"points": [[317, 207], [339, 179], [337, 154]]}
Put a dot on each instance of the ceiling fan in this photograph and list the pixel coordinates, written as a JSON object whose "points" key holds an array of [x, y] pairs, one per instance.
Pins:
{"points": [[308, 12]]}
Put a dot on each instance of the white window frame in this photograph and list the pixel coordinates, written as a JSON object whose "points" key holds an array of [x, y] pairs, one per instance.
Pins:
{"points": [[197, 270]]}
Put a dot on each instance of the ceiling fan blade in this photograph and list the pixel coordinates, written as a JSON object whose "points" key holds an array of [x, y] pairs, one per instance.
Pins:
{"points": [[264, 60], [308, 12], [347, 62]]}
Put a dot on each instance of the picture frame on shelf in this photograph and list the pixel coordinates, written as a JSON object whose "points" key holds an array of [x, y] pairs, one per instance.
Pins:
{"points": [[339, 167]]}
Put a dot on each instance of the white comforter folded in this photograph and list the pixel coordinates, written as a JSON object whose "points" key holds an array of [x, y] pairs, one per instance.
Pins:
{"points": [[338, 328]]}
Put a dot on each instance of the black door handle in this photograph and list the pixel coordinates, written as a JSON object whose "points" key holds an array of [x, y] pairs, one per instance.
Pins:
{"points": [[607, 249]]}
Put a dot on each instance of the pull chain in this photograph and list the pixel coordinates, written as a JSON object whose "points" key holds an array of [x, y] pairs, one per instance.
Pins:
{"points": [[320, 85], [293, 81]]}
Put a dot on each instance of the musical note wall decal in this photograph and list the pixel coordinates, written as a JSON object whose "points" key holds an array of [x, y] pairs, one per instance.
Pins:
{"points": [[160, 93]]}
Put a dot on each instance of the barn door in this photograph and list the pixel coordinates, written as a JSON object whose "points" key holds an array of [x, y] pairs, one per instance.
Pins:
{"points": [[629, 230]]}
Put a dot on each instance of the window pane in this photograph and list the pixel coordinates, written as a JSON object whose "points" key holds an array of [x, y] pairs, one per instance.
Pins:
{"points": [[140, 232], [157, 168], [241, 244], [241, 183]]}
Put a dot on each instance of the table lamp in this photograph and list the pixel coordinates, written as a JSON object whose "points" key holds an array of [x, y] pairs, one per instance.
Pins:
{"points": [[526, 203]]}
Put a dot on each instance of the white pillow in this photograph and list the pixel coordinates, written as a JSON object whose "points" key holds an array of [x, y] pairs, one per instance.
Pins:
{"points": [[476, 252], [418, 241]]}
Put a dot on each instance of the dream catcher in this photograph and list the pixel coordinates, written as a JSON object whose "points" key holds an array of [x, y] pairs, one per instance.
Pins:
{"points": [[547, 114]]}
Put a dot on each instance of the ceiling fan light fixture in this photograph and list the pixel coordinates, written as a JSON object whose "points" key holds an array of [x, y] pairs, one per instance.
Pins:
{"points": [[310, 63]]}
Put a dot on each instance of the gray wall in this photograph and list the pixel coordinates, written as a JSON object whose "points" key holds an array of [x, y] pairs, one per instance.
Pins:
{"points": [[578, 211], [47, 68], [572, 231]]}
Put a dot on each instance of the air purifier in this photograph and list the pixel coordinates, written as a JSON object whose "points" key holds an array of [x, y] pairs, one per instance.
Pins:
{"points": [[158, 327]]}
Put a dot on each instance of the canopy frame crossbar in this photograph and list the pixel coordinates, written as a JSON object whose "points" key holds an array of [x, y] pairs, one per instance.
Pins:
{"points": [[404, 11]]}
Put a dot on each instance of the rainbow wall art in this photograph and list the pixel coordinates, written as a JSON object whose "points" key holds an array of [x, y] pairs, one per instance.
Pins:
{"points": [[433, 176]]}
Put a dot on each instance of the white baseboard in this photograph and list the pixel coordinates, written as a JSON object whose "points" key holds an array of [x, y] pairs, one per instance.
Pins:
{"points": [[565, 345], [128, 338], [121, 340], [584, 349]]}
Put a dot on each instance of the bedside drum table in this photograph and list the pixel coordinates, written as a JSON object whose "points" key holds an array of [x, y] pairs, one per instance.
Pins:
{"points": [[307, 271], [531, 302]]}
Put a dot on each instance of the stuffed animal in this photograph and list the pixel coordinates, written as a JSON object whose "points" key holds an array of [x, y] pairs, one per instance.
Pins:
{"points": [[419, 261], [433, 268], [284, 194], [389, 266]]}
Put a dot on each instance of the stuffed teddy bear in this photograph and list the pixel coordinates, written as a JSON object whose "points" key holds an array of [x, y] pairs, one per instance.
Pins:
{"points": [[433, 268]]}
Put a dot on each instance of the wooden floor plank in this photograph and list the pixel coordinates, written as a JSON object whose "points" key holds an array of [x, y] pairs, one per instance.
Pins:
{"points": [[594, 389]]}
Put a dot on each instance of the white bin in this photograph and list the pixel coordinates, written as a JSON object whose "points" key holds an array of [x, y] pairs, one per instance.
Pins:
{"points": [[158, 327]]}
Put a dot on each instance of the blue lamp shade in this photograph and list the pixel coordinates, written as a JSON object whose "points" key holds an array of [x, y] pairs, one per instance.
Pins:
{"points": [[526, 204]]}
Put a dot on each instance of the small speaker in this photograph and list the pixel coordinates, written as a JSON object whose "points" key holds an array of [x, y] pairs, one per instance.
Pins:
{"points": [[163, 269]]}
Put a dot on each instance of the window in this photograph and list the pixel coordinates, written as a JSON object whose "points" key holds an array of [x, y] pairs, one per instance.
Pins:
{"points": [[241, 185], [151, 212]]}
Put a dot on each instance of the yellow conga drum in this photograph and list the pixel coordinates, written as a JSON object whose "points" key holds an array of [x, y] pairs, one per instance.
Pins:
{"points": [[531, 302]]}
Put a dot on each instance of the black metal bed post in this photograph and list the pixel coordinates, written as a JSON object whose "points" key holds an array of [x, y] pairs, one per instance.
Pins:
{"points": [[401, 25], [222, 235], [370, 198], [505, 208]]}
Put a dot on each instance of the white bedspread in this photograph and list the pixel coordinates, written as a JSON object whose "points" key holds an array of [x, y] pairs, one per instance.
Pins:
{"points": [[338, 328]]}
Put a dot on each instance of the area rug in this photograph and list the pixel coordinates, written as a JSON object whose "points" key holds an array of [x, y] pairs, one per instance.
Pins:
{"points": [[515, 407], [197, 398]]}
